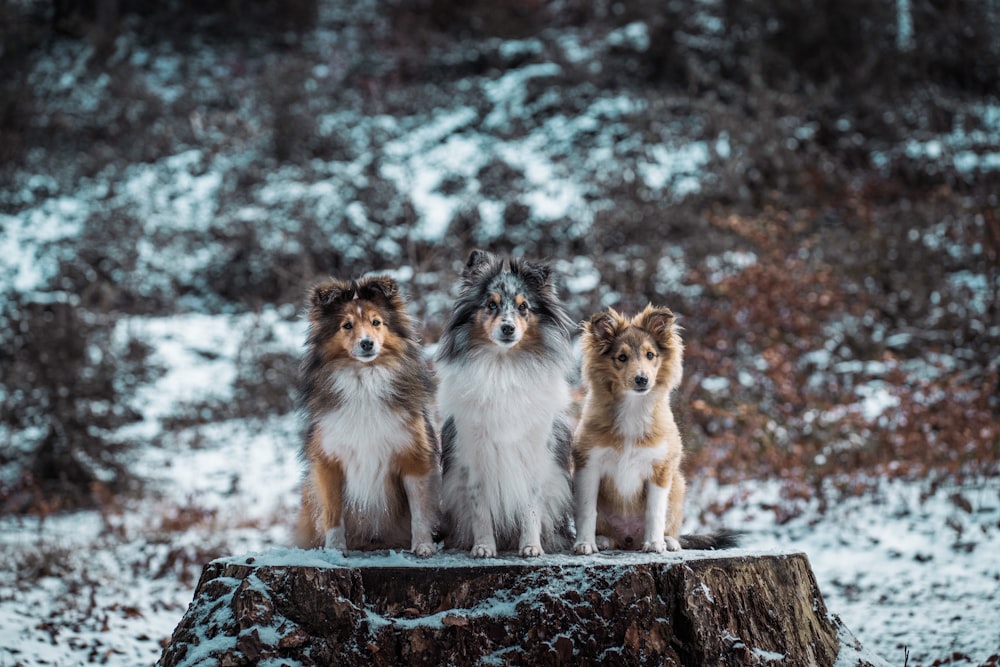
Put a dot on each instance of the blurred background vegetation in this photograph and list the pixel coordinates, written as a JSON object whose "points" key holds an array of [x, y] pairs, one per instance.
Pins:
{"points": [[838, 249]]}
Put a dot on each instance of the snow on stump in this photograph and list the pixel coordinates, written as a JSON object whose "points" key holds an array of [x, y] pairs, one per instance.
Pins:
{"points": [[694, 608]]}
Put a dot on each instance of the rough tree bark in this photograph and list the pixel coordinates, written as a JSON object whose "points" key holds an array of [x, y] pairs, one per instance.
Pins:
{"points": [[310, 608]]}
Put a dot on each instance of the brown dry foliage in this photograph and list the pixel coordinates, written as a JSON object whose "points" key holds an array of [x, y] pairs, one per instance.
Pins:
{"points": [[803, 423]]}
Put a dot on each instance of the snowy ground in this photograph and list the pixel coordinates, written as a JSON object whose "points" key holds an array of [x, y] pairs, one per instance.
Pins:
{"points": [[903, 573], [906, 568]]}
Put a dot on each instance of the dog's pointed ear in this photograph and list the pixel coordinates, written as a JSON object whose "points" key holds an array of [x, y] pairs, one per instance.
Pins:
{"points": [[383, 285], [657, 321], [325, 294], [478, 265], [476, 259], [602, 329], [536, 275]]}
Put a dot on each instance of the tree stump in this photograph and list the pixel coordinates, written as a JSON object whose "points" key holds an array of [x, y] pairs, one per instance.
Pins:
{"points": [[692, 608]]}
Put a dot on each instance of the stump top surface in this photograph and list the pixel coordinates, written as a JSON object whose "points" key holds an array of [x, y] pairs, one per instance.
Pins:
{"points": [[319, 558]]}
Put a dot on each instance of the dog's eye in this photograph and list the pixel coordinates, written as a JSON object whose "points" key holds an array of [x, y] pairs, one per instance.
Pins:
{"points": [[348, 326], [376, 322], [492, 306], [623, 358], [650, 355], [523, 308]]}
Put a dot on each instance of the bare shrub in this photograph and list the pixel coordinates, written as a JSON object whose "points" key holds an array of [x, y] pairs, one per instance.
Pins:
{"points": [[63, 387], [517, 18], [21, 32]]}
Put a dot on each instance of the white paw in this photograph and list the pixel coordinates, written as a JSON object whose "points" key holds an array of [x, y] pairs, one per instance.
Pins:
{"points": [[654, 546], [483, 551], [532, 550], [585, 548], [672, 544], [335, 540], [424, 549]]}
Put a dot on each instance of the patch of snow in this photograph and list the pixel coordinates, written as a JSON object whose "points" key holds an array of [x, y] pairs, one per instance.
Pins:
{"points": [[715, 384], [573, 50], [968, 152], [728, 264], [976, 289], [418, 161], [679, 170], [520, 47], [508, 93], [552, 193], [27, 260], [178, 192], [580, 275], [877, 399], [671, 270], [634, 36], [968, 161], [723, 149], [762, 655], [852, 653]]}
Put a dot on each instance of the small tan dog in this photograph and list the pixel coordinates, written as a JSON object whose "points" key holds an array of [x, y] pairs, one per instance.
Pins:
{"points": [[628, 486]]}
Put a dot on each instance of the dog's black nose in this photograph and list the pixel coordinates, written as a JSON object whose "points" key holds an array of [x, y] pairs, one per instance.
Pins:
{"points": [[367, 344], [641, 380], [507, 329]]}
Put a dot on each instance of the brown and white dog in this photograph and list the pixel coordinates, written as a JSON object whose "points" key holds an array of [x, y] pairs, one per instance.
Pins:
{"points": [[628, 486], [373, 462]]}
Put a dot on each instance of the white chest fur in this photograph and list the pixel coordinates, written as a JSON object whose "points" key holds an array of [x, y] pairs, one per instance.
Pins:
{"points": [[364, 434], [629, 468], [503, 400], [634, 416], [503, 411]]}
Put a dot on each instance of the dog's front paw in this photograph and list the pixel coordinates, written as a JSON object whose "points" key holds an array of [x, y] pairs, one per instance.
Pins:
{"points": [[483, 551], [532, 551], [424, 549], [654, 546], [604, 543], [672, 544], [335, 540], [585, 548]]}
